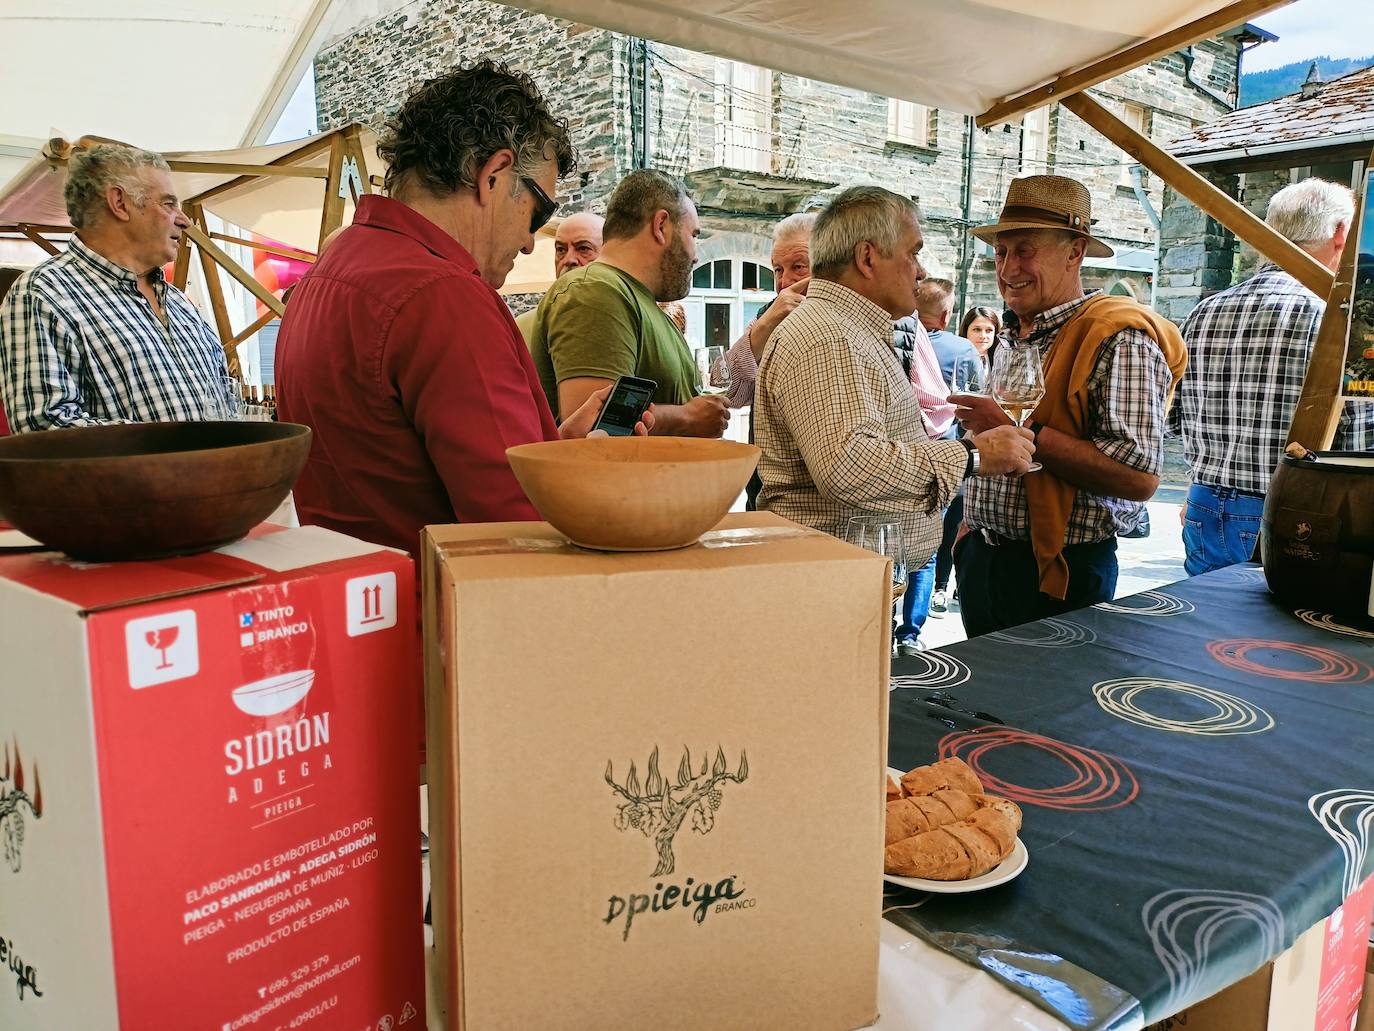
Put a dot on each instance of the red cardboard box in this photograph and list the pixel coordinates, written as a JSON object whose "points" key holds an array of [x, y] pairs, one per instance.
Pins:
{"points": [[207, 789]]}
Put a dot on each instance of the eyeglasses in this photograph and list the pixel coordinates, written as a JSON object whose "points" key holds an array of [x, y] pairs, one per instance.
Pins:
{"points": [[544, 205]]}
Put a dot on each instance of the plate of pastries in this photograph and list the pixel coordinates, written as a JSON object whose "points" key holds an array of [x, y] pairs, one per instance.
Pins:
{"points": [[944, 833]]}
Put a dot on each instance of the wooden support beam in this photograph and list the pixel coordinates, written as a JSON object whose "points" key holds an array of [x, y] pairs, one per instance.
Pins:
{"points": [[254, 326], [210, 250], [323, 142], [224, 168], [214, 289], [1277, 248], [1319, 406], [332, 216], [182, 268], [257, 245], [38, 238], [1142, 53]]}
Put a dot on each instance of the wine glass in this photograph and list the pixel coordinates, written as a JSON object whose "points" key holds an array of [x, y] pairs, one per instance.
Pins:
{"points": [[224, 400], [162, 639], [1018, 383], [883, 538], [969, 375], [714, 369]]}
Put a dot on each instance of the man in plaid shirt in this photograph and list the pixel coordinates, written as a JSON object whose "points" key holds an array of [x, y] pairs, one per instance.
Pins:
{"points": [[1248, 349], [841, 429], [96, 334]]}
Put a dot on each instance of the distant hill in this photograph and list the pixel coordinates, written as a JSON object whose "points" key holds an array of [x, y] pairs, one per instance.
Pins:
{"points": [[1258, 87]]}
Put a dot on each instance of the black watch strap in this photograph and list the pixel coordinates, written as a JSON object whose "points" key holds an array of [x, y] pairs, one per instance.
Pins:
{"points": [[971, 465]]}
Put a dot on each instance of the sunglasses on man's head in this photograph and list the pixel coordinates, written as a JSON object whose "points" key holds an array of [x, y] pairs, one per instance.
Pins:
{"points": [[544, 205]]}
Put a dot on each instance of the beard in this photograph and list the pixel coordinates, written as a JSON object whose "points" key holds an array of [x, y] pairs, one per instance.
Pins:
{"points": [[675, 272]]}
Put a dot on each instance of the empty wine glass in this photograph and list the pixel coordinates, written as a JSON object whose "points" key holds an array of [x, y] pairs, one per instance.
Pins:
{"points": [[969, 375], [714, 369], [1018, 383], [882, 537]]}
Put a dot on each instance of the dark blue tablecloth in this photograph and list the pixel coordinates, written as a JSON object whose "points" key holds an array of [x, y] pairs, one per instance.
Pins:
{"points": [[1195, 766]]}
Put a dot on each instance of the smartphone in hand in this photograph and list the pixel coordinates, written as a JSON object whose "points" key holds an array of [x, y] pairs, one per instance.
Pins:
{"points": [[629, 400]]}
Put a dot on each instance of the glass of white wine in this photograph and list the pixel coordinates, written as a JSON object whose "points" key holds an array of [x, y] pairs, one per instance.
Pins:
{"points": [[714, 370], [1018, 383], [882, 537]]}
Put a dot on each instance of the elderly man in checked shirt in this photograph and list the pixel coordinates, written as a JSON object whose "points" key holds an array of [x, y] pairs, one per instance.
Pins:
{"points": [[1248, 349], [96, 334], [1046, 543], [841, 429]]}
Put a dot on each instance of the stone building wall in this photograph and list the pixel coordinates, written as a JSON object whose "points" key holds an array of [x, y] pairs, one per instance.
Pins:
{"points": [[814, 130]]}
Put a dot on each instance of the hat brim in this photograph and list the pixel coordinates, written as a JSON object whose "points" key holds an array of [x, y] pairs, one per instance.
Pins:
{"points": [[988, 234]]}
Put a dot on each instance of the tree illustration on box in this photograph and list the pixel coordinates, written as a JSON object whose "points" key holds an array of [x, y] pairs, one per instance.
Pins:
{"points": [[12, 797], [660, 807]]}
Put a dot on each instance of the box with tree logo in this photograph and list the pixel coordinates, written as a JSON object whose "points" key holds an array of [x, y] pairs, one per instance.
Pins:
{"points": [[655, 779], [207, 789]]}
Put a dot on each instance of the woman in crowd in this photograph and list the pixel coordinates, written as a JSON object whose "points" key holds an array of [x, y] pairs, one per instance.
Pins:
{"points": [[980, 328]]}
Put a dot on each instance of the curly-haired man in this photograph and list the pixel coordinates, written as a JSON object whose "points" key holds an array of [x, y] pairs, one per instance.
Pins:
{"points": [[396, 348]]}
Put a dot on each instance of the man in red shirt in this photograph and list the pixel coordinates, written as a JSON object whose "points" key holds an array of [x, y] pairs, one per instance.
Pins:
{"points": [[396, 349]]}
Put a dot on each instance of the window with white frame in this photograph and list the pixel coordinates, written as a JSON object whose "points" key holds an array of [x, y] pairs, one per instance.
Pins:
{"points": [[1035, 141], [744, 116], [727, 294], [908, 123], [1134, 116]]}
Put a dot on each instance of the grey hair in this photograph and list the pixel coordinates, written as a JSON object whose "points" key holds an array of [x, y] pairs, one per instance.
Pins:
{"points": [[859, 214], [90, 172], [795, 227], [636, 198], [1311, 211]]}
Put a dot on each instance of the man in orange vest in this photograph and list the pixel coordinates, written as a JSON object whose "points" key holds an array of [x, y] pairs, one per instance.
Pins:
{"points": [[1045, 543]]}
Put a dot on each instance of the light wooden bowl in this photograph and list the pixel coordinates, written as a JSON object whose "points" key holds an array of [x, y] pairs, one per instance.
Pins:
{"points": [[633, 493]]}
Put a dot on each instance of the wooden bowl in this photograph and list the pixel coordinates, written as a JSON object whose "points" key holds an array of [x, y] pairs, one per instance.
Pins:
{"points": [[148, 490], [633, 493]]}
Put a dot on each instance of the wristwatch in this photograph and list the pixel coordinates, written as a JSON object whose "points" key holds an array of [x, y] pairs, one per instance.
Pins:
{"points": [[975, 460]]}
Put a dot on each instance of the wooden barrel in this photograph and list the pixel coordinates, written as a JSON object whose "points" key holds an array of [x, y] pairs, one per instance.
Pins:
{"points": [[1317, 536]]}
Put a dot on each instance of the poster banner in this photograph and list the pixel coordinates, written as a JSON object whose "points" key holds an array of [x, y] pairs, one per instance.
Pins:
{"points": [[1359, 353]]}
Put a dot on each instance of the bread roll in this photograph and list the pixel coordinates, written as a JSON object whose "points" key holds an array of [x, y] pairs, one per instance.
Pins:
{"points": [[947, 773], [917, 813], [957, 851]]}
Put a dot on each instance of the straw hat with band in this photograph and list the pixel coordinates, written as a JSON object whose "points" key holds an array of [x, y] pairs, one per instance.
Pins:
{"points": [[1047, 202]]}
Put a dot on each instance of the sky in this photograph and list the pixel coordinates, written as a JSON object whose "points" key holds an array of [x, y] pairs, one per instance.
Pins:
{"points": [[1314, 28]]}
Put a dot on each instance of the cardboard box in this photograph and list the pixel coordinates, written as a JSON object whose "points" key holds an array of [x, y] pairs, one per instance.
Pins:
{"points": [[1315, 986], [652, 778], [207, 784]]}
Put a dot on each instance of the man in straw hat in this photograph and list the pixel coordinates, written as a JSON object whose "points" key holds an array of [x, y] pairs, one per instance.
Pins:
{"points": [[1045, 543]]}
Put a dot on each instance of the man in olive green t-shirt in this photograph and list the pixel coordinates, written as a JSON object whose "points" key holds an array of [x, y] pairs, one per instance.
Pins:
{"points": [[602, 321]]}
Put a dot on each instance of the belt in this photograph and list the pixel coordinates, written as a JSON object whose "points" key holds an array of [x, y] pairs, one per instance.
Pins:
{"points": [[1231, 492], [993, 539]]}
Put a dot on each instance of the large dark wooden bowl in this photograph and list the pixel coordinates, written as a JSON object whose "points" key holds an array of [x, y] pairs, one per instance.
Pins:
{"points": [[148, 490]]}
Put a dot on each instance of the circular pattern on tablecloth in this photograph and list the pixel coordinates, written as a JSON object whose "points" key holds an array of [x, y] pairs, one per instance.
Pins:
{"points": [[1326, 621], [1045, 633], [1232, 716], [1330, 667], [1099, 781], [934, 669], [1152, 603]]}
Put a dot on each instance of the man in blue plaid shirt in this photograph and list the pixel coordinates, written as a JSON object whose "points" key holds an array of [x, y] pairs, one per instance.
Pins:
{"points": [[1248, 349], [96, 334]]}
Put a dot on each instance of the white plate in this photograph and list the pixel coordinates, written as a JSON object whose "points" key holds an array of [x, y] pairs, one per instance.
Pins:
{"points": [[1008, 869]]}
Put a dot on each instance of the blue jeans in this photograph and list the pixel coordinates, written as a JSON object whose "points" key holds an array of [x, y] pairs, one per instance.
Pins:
{"points": [[1220, 527], [916, 602]]}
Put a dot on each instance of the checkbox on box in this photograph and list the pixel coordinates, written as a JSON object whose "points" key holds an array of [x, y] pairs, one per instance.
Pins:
{"points": [[246, 640]]}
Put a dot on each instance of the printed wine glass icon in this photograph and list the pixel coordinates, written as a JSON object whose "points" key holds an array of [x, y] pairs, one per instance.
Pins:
{"points": [[162, 639]]}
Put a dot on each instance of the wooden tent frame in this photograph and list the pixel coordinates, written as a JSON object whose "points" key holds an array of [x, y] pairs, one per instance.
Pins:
{"points": [[342, 145]]}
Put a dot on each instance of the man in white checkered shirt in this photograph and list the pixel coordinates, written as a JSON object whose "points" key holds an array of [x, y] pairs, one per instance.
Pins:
{"points": [[96, 334], [840, 427], [1248, 349]]}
